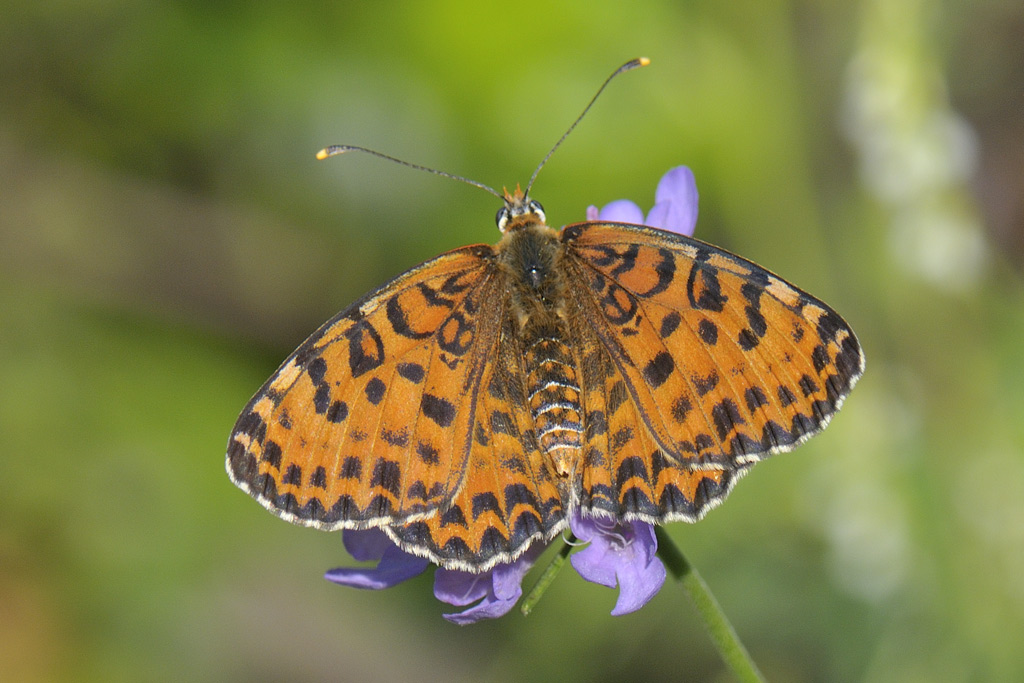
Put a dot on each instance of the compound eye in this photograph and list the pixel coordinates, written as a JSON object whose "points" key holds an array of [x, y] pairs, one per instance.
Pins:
{"points": [[502, 218], [536, 208]]}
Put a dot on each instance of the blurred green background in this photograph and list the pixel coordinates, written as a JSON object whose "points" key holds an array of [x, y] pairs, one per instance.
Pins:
{"points": [[166, 238]]}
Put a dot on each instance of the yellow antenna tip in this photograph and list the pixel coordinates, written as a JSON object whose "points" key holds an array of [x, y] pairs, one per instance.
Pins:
{"points": [[643, 61], [323, 154]]}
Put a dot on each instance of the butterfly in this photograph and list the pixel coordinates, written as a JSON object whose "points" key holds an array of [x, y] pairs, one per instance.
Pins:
{"points": [[472, 404]]}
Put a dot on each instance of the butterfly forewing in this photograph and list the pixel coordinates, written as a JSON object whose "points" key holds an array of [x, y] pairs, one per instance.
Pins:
{"points": [[363, 424], [725, 361]]}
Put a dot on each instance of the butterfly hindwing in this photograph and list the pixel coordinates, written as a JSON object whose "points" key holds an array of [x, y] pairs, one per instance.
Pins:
{"points": [[508, 497]]}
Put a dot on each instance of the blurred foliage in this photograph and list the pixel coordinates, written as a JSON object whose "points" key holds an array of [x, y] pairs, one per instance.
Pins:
{"points": [[166, 238]]}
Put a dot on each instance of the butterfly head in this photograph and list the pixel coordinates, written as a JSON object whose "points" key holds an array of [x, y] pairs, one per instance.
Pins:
{"points": [[518, 210]]}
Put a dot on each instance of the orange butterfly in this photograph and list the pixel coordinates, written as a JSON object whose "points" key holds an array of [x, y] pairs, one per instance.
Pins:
{"points": [[470, 405]]}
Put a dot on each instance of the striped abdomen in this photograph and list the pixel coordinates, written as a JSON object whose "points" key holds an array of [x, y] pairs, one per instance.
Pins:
{"points": [[554, 396]]}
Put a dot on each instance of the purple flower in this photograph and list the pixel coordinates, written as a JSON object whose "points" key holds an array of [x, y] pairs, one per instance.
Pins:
{"points": [[675, 205], [393, 567], [497, 590], [622, 554]]}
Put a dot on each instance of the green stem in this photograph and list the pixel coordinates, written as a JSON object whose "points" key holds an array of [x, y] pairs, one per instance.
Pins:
{"points": [[545, 580], [715, 621]]}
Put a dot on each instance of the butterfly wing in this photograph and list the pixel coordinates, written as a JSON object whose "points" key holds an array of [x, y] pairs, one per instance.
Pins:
{"points": [[711, 363], [365, 423], [406, 411]]}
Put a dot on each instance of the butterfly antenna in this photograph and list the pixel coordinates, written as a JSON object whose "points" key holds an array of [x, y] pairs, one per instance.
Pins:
{"points": [[341, 149], [628, 66]]}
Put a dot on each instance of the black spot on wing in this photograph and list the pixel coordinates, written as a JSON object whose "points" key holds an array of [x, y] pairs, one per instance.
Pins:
{"points": [[819, 356], [617, 395], [272, 454], [397, 437], [351, 468], [703, 385], [419, 491], [375, 389], [322, 399], [658, 370], [480, 435], [708, 332], [453, 516], [411, 371], [726, 417], [621, 437], [755, 398], [337, 412], [669, 324], [253, 425], [484, 502], [316, 370], [829, 325], [681, 408], [747, 340], [807, 385], [387, 475], [632, 467], [292, 475], [493, 542], [319, 478], [438, 409], [428, 454], [786, 396]]}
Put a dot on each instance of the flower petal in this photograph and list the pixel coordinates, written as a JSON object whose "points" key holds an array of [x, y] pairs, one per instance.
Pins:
{"points": [[622, 211], [366, 544], [676, 201], [460, 588], [488, 608], [639, 581], [593, 562], [622, 554], [498, 590], [394, 567]]}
